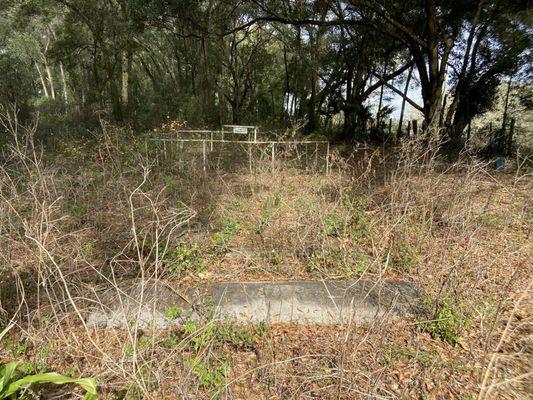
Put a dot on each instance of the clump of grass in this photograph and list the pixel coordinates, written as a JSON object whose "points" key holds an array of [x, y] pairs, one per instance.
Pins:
{"points": [[405, 255], [336, 262]]}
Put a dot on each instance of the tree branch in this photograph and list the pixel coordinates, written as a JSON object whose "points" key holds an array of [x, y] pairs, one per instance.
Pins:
{"points": [[399, 92], [388, 77]]}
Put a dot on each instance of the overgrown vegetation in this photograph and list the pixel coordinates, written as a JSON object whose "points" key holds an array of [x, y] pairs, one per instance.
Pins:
{"points": [[86, 218], [96, 199]]}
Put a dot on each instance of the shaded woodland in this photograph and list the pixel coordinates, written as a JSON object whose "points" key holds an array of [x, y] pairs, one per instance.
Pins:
{"points": [[328, 66]]}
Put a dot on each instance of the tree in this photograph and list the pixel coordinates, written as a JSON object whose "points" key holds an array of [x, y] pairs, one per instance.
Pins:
{"points": [[494, 47]]}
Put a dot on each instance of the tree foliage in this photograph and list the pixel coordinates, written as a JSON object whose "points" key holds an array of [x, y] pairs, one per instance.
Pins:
{"points": [[329, 64]]}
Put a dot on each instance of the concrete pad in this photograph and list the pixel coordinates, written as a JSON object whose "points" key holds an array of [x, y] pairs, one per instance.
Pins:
{"points": [[306, 302], [315, 302]]}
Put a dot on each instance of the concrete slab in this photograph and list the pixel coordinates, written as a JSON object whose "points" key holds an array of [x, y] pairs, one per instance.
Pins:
{"points": [[316, 302], [306, 302]]}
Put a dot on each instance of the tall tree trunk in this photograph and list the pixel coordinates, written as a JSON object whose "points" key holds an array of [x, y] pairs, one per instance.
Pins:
{"points": [[466, 60], [501, 136], [41, 77], [380, 103], [311, 107], [312, 122], [50, 79], [61, 69], [126, 63], [286, 97], [431, 64], [64, 82], [235, 112], [347, 129]]}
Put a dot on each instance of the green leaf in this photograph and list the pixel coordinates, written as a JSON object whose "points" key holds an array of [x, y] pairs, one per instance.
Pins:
{"points": [[6, 375], [89, 384]]}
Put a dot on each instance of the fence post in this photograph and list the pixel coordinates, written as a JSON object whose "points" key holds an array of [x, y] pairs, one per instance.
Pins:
{"points": [[316, 156], [273, 154], [415, 127], [306, 156], [204, 154], [327, 159], [180, 154], [178, 151], [250, 156]]}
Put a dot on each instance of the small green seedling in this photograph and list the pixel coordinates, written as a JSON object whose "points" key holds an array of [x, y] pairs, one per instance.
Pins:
{"points": [[173, 312]]}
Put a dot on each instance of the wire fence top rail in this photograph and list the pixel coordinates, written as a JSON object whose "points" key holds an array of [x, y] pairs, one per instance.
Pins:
{"points": [[192, 131], [239, 141], [241, 126]]}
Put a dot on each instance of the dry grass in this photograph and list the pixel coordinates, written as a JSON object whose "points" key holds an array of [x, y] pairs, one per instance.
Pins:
{"points": [[89, 217]]}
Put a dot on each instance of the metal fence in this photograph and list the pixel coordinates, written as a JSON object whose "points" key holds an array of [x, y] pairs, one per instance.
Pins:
{"points": [[217, 153]]}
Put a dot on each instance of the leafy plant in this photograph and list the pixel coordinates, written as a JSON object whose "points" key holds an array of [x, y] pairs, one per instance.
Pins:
{"points": [[89, 249], [359, 220], [209, 375], [335, 225], [77, 210], [447, 323], [404, 256], [142, 345], [223, 237], [265, 219], [222, 332], [12, 383], [184, 258], [173, 312], [17, 348], [238, 336], [336, 261]]}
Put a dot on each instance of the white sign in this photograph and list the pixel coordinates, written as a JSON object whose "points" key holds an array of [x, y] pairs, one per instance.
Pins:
{"points": [[240, 130]]}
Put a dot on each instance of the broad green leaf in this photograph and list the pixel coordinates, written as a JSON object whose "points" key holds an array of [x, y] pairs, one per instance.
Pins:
{"points": [[89, 384], [7, 372]]}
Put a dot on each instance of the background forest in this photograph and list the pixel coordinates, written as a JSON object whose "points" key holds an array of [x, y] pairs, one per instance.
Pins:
{"points": [[339, 68]]}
